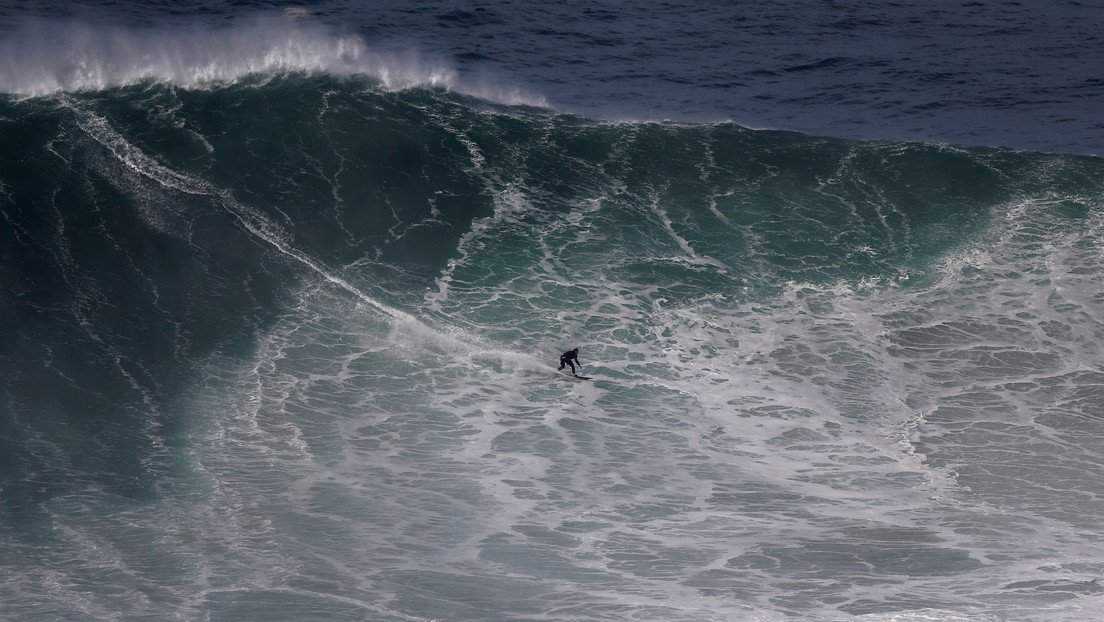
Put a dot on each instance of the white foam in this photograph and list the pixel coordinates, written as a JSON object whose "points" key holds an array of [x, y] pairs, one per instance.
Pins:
{"points": [[43, 58]]}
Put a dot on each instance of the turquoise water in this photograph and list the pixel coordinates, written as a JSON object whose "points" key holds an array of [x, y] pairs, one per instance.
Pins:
{"points": [[285, 348]]}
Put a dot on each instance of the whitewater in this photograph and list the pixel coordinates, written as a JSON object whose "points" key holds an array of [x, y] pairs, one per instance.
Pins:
{"points": [[282, 314]]}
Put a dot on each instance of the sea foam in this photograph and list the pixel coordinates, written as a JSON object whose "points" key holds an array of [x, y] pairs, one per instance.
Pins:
{"points": [[43, 57]]}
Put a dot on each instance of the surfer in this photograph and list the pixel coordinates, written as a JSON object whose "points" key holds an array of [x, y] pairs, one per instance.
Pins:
{"points": [[570, 358]]}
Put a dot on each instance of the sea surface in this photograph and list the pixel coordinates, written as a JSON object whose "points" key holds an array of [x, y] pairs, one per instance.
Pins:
{"points": [[283, 289]]}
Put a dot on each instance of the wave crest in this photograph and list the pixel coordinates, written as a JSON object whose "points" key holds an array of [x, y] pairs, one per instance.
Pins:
{"points": [[43, 57]]}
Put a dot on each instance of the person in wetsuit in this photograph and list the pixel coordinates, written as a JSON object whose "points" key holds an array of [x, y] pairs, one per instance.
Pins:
{"points": [[570, 358]]}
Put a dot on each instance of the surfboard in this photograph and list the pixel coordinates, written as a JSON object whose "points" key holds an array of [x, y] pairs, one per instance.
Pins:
{"points": [[582, 370]]}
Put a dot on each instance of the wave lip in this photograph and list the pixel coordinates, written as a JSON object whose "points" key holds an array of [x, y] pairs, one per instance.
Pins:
{"points": [[44, 58]]}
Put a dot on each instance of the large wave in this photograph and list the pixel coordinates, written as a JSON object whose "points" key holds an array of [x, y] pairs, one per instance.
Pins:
{"points": [[309, 322]]}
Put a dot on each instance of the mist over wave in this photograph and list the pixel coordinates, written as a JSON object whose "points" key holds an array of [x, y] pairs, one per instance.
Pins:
{"points": [[43, 57]]}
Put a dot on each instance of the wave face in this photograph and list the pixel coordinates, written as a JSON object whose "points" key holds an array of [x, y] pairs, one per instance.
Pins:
{"points": [[286, 348]]}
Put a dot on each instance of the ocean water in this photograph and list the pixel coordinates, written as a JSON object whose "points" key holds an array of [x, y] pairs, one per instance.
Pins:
{"points": [[283, 290]]}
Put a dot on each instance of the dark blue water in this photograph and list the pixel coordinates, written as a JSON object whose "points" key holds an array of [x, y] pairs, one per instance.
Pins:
{"points": [[283, 290]]}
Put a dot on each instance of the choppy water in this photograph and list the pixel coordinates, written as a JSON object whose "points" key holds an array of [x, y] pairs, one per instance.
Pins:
{"points": [[281, 332]]}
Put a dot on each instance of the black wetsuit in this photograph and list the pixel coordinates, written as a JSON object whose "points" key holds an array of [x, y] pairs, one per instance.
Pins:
{"points": [[569, 358]]}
